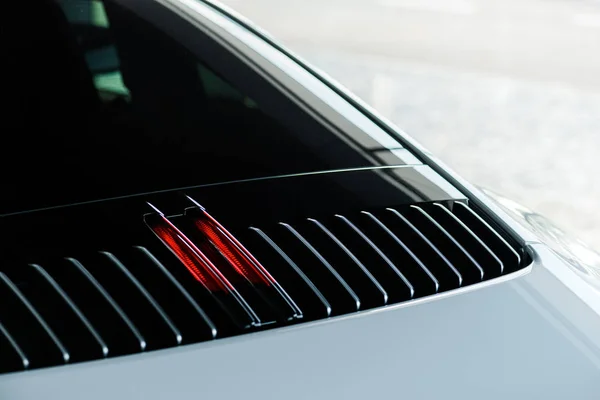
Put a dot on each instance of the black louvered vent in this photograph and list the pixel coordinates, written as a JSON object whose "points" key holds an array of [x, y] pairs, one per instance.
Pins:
{"points": [[138, 299]]}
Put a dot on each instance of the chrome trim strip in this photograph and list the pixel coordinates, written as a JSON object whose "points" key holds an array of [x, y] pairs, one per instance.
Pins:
{"points": [[258, 179]]}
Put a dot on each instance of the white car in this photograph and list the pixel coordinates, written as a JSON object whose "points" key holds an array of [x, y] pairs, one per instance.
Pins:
{"points": [[189, 211]]}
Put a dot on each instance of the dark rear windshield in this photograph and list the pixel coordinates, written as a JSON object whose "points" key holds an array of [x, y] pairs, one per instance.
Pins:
{"points": [[100, 103]]}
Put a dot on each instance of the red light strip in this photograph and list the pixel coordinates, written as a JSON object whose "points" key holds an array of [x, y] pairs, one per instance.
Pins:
{"points": [[192, 258], [242, 261]]}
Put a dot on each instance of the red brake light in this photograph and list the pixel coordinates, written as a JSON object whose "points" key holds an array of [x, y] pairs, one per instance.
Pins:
{"points": [[217, 260], [192, 258], [235, 261], [231, 249]]}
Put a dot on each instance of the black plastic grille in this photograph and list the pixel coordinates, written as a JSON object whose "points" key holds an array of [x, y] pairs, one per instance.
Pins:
{"points": [[139, 299]]}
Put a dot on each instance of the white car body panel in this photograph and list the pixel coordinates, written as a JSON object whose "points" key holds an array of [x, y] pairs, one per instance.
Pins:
{"points": [[532, 334], [508, 339]]}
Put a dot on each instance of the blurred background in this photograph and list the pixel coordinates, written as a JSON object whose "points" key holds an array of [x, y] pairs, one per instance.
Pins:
{"points": [[506, 92]]}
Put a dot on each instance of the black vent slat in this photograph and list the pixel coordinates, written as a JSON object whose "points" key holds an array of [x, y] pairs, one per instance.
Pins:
{"points": [[469, 239], [468, 267], [144, 311], [310, 299], [421, 277], [488, 234], [12, 357], [89, 327], [176, 301], [64, 317], [192, 279], [106, 295], [250, 294], [268, 299], [225, 311], [244, 314], [341, 297], [20, 316], [446, 274], [117, 330], [397, 286], [364, 284]]}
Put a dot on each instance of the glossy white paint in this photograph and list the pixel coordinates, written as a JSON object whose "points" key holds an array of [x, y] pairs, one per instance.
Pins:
{"points": [[528, 337]]}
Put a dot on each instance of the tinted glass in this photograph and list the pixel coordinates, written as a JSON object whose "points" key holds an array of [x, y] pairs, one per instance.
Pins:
{"points": [[100, 103]]}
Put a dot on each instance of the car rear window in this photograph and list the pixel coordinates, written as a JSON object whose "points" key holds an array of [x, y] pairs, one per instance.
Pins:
{"points": [[100, 104]]}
